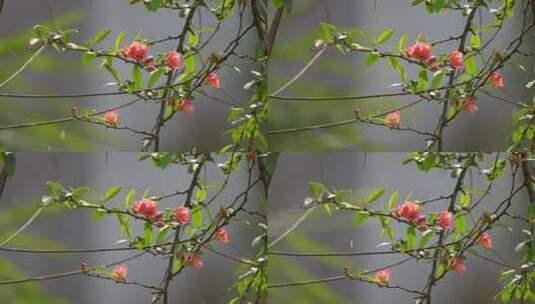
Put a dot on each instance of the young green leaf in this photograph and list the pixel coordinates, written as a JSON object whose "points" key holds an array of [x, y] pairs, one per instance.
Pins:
{"points": [[375, 195], [384, 36], [112, 192], [137, 76]]}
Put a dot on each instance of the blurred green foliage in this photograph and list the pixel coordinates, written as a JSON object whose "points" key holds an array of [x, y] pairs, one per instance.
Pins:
{"points": [[49, 65], [10, 220]]}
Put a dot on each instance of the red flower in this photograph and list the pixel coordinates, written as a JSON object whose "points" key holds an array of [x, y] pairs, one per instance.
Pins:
{"points": [[222, 235], [409, 210], [458, 265], [421, 223], [497, 80], [149, 63], [186, 106], [456, 59], [182, 215], [193, 260], [469, 105], [250, 155], [158, 220], [421, 51], [174, 59], [120, 272], [382, 277], [485, 240], [445, 219], [433, 63], [111, 117], [214, 80], [393, 119], [136, 50], [146, 207]]}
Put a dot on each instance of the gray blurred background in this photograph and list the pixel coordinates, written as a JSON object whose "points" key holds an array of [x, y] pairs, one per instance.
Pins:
{"points": [[65, 73], [362, 172], [58, 228], [335, 74]]}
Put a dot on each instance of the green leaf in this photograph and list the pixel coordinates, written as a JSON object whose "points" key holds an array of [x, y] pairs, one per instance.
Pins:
{"points": [[114, 72], [437, 79], [201, 194], [475, 42], [317, 189], [112, 192], [196, 217], [393, 200], [411, 237], [439, 4], [361, 217], [226, 9], [119, 41], [402, 42], [278, 3], [162, 234], [100, 36], [88, 57], [137, 76], [177, 265], [9, 163], [422, 80], [426, 237], [125, 224], [372, 58], [147, 232], [327, 209], [189, 64], [98, 214], [129, 199], [465, 199], [193, 39], [53, 187], [384, 36], [375, 195], [327, 30], [460, 224], [470, 65], [154, 77]]}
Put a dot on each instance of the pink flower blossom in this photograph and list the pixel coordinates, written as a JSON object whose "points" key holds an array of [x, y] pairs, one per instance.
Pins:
{"points": [[120, 272], [136, 50], [186, 106], [250, 155], [146, 207], [214, 80], [421, 223], [409, 210], [182, 215], [158, 220], [193, 260], [485, 240], [456, 59], [445, 219], [458, 265], [382, 277], [497, 80], [174, 59], [393, 119], [112, 117], [469, 105], [421, 51], [149, 63], [222, 235]]}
